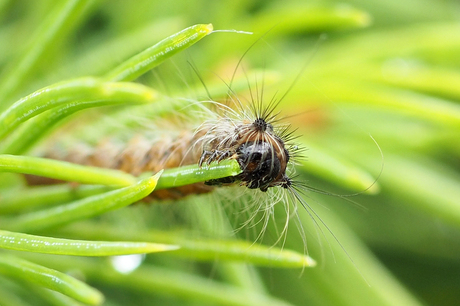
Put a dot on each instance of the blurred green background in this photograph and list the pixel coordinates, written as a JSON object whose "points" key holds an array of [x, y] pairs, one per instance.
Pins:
{"points": [[386, 68]]}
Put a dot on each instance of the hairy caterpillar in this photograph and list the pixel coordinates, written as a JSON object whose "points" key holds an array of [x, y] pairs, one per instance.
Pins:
{"points": [[253, 134], [263, 152]]}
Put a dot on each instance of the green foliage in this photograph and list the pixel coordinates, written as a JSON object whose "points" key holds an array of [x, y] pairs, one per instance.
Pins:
{"points": [[80, 71]]}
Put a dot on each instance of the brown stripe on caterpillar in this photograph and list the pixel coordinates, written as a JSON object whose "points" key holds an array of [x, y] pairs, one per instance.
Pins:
{"points": [[138, 155]]}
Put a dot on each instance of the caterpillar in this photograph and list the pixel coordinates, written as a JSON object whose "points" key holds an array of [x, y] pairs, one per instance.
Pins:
{"points": [[263, 151], [252, 133]]}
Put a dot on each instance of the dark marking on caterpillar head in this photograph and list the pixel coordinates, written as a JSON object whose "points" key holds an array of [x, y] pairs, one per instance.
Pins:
{"points": [[261, 125]]}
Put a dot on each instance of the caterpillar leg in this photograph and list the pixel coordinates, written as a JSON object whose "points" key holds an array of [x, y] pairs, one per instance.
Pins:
{"points": [[214, 155]]}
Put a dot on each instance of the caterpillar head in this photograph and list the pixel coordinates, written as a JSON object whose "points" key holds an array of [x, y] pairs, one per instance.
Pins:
{"points": [[259, 150]]}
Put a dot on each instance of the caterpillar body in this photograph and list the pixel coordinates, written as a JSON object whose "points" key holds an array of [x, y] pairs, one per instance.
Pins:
{"points": [[264, 152]]}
